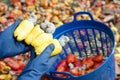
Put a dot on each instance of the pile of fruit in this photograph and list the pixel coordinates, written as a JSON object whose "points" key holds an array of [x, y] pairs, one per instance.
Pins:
{"points": [[60, 12], [78, 67], [11, 67]]}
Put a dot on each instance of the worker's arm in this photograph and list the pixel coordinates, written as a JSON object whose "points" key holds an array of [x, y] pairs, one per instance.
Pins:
{"points": [[9, 46]]}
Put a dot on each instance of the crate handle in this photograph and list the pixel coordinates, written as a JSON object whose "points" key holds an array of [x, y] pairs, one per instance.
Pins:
{"points": [[78, 13], [67, 73]]}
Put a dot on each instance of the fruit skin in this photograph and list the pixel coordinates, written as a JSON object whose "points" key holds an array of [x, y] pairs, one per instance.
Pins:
{"points": [[40, 49], [12, 64], [63, 63], [57, 49], [89, 70], [71, 58], [97, 64], [78, 63], [55, 42], [5, 77], [98, 58], [23, 30], [30, 2], [62, 67], [4, 68], [88, 62], [34, 34], [81, 72], [41, 39], [21, 64], [74, 71]]}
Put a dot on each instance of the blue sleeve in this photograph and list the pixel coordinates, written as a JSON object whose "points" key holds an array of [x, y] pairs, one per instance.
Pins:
{"points": [[9, 46]]}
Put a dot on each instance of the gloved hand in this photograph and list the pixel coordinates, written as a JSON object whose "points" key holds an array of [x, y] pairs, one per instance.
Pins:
{"points": [[38, 66], [9, 46]]}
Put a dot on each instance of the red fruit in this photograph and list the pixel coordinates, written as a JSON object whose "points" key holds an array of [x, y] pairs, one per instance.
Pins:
{"points": [[78, 63], [81, 72], [97, 64], [74, 71], [14, 1], [11, 63], [62, 66], [99, 4], [21, 64], [17, 71], [60, 69], [88, 62], [89, 70], [87, 58], [71, 58], [63, 63], [98, 58], [10, 16], [90, 58], [30, 2]]}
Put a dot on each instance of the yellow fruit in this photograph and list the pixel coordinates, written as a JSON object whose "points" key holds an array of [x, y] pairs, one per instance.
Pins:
{"points": [[41, 39], [57, 47], [23, 29], [42, 47], [34, 34], [5, 77]]}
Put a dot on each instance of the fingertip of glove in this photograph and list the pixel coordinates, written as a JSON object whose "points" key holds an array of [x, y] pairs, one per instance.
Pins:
{"points": [[51, 46], [16, 24], [18, 21]]}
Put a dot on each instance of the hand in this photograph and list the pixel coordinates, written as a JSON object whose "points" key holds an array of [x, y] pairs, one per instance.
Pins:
{"points": [[38, 66], [9, 46]]}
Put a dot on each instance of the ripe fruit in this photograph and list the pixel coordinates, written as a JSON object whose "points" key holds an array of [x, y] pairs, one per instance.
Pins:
{"points": [[71, 58], [60, 69], [97, 64], [81, 72], [78, 63], [63, 63], [11, 63], [98, 58], [74, 71], [88, 62]]}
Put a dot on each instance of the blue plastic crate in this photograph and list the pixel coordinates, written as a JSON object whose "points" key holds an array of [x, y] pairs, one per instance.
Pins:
{"points": [[87, 37]]}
